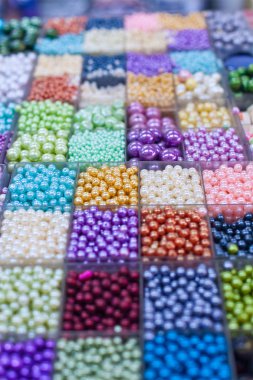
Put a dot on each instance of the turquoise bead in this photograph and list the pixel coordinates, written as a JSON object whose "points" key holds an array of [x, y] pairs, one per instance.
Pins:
{"points": [[195, 61], [42, 187], [7, 113]]}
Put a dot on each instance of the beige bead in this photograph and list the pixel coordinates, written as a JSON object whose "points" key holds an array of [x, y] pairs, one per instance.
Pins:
{"points": [[58, 65], [29, 236]]}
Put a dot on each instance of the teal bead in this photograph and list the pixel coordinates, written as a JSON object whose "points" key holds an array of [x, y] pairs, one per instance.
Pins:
{"points": [[42, 186]]}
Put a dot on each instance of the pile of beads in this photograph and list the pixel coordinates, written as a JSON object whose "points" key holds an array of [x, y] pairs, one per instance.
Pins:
{"points": [[198, 86], [57, 88], [195, 61], [97, 357], [230, 33], [241, 80], [182, 298], [149, 65], [103, 116], [155, 91], [30, 299], [146, 42], [233, 239], [102, 300], [91, 94], [101, 145], [115, 185], [177, 355], [39, 236], [207, 114], [100, 235], [142, 21], [65, 44], [246, 119], [15, 72], [188, 39], [215, 145], [229, 184], [172, 185], [64, 25], [26, 358], [7, 112], [104, 41], [237, 289], [19, 35], [104, 23], [40, 186], [58, 65], [151, 136], [174, 233], [178, 22], [97, 67], [45, 138]]}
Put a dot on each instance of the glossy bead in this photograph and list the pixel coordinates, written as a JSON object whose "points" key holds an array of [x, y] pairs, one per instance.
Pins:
{"points": [[104, 302], [174, 234]]}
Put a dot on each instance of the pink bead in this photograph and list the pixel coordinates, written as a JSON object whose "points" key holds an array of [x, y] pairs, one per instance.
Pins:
{"points": [[85, 275]]}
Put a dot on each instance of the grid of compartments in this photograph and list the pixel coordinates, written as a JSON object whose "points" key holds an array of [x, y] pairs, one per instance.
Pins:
{"points": [[126, 200]]}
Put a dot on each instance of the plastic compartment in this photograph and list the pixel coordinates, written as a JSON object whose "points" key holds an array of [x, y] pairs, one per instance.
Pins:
{"points": [[58, 165], [228, 265], [173, 115], [82, 261], [160, 166], [231, 215], [190, 255], [111, 269], [32, 334]]}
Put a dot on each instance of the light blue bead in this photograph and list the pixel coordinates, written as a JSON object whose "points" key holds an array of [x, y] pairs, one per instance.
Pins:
{"points": [[66, 44], [195, 61]]}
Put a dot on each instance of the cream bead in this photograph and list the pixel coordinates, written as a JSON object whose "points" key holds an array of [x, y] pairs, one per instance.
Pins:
{"points": [[38, 237], [173, 185]]}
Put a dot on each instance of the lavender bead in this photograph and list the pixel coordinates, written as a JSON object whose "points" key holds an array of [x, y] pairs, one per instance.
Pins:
{"points": [[104, 235], [214, 145], [188, 40], [181, 298], [151, 136], [25, 359], [149, 65]]}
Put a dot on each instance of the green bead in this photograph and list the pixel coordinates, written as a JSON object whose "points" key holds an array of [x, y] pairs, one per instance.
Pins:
{"points": [[235, 83], [232, 249]]}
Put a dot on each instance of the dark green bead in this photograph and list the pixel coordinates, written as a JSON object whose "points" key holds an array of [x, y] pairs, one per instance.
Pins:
{"points": [[51, 33], [250, 85], [242, 71], [250, 70], [235, 83]]}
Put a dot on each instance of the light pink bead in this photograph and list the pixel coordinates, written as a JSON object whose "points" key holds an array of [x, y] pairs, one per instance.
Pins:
{"points": [[142, 21]]}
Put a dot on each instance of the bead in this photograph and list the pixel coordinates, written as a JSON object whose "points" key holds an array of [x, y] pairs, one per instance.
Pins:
{"points": [[48, 229], [178, 355], [237, 289], [104, 23], [174, 233], [104, 41], [179, 297], [65, 25], [142, 21], [103, 302], [89, 357], [148, 65], [114, 177], [91, 94], [145, 42], [101, 67], [65, 44], [27, 357], [173, 185], [155, 91], [189, 39], [58, 65], [19, 35], [195, 61], [43, 187], [104, 235], [30, 301], [15, 72], [194, 20]]}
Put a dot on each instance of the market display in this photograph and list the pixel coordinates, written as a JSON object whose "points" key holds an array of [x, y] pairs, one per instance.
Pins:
{"points": [[126, 197]]}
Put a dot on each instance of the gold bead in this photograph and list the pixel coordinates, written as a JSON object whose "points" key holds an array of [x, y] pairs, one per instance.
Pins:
{"points": [[80, 182], [78, 201], [86, 196]]}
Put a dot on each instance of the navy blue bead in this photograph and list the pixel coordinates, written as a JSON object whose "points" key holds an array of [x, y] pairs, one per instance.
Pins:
{"points": [[105, 23]]}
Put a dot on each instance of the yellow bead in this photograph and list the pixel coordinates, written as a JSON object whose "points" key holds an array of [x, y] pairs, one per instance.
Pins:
{"points": [[78, 201]]}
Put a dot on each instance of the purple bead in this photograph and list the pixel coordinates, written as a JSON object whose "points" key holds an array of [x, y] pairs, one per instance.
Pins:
{"points": [[134, 149], [136, 119], [173, 138], [146, 137], [148, 153], [135, 107]]}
